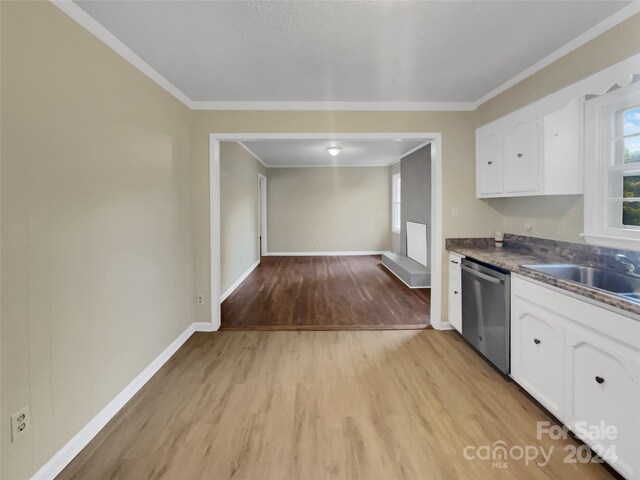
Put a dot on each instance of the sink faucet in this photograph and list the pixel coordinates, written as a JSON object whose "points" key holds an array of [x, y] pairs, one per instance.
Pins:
{"points": [[624, 260]]}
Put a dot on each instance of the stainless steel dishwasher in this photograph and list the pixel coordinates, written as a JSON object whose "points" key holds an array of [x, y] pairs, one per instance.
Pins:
{"points": [[486, 309]]}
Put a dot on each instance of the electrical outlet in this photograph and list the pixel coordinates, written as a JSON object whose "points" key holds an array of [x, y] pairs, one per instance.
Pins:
{"points": [[200, 299], [20, 423], [455, 212]]}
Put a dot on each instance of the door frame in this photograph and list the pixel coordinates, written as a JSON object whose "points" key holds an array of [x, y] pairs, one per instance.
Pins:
{"points": [[262, 213], [436, 236]]}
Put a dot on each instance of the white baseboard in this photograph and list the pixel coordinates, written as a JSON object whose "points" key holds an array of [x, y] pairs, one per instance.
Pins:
{"points": [[400, 278], [322, 254], [203, 327], [237, 283], [68, 452]]}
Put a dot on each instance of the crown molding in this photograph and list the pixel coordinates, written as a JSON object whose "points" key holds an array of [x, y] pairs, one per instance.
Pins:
{"points": [[607, 24], [340, 106], [100, 32]]}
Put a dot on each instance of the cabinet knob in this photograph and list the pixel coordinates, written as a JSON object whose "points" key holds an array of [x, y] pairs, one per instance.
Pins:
{"points": [[536, 341], [489, 163], [519, 155], [455, 292], [599, 379]]}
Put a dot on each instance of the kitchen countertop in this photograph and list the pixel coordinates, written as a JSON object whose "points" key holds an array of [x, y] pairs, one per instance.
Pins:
{"points": [[513, 259]]}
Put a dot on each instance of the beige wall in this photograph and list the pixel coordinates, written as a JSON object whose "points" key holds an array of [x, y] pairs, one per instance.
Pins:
{"points": [[477, 217], [558, 217], [96, 245], [329, 209], [239, 231]]}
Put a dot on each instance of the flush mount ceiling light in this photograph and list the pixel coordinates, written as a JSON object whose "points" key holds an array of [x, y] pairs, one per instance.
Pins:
{"points": [[333, 150]]}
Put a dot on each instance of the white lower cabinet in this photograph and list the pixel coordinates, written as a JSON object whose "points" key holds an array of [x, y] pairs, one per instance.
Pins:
{"points": [[455, 291], [537, 348], [582, 362], [604, 389]]}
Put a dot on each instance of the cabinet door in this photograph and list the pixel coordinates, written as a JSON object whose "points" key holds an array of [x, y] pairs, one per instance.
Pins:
{"points": [[489, 171], [604, 390], [520, 150], [537, 353], [455, 293], [561, 138]]}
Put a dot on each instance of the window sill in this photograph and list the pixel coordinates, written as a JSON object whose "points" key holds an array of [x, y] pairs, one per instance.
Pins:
{"points": [[611, 241]]}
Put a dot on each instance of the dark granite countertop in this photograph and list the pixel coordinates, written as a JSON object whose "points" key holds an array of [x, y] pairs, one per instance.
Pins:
{"points": [[513, 255]]}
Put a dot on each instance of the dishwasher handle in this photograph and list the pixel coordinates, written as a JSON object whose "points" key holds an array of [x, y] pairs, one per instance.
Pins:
{"points": [[481, 275]]}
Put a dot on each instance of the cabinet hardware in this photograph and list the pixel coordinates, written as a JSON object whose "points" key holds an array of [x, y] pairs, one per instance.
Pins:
{"points": [[599, 379], [454, 262], [536, 341], [489, 163], [519, 155], [455, 293]]}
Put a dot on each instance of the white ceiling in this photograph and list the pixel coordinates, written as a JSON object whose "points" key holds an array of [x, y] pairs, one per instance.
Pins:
{"points": [[367, 51], [306, 153]]}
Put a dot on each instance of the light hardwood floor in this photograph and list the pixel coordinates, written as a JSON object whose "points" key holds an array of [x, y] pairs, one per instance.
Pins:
{"points": [[322, 405]]}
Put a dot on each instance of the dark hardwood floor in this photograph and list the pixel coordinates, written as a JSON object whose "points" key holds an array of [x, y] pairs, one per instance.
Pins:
{"points": [[325, 293]]}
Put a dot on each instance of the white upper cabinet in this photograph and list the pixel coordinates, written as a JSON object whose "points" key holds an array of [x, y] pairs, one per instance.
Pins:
{"points": [[489, 163], [533, 151], [520, 153], [561, 141]]}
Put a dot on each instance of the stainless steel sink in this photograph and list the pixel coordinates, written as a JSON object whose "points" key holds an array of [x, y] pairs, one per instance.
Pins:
{"points": [[618, 283]]}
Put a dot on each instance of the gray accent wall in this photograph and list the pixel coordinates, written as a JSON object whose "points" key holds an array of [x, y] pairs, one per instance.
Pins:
{"points": [[415, 174]]}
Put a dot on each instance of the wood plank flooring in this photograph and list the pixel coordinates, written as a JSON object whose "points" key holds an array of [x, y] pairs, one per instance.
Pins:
{"points": [[371, 405], [325, 293]]}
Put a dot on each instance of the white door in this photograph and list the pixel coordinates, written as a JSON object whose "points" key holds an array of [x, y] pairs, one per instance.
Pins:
{"points": [[455, 292], [489, 173], [520, 150]]}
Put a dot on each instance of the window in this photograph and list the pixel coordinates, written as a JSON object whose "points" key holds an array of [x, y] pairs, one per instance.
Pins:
{"points": [[395, 203], [612, 162]]}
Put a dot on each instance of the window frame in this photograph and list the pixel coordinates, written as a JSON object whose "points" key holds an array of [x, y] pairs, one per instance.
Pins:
{"points": [[602, 209], [396, 199]]}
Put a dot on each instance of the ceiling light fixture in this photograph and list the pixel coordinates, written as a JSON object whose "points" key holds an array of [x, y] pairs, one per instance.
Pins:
{"points": [[333, 150]]}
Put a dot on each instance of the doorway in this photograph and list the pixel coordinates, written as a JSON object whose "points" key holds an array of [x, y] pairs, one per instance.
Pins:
{"points": [[436, 195]]}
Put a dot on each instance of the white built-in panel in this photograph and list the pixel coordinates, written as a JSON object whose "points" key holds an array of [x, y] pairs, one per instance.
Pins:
{"points": [[417, 242]]}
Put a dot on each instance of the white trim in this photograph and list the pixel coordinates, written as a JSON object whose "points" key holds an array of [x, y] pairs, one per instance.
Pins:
{"points": [[402, 279], [263, 214], [446, 326], [340, 106], [342, 165], [607, 24], [214, 229], [80, 440], [203, 327], [252, 153], [325, 254], [97, 30], [436, 205], [237, 283]]}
